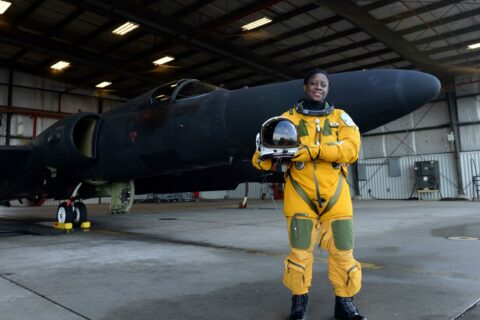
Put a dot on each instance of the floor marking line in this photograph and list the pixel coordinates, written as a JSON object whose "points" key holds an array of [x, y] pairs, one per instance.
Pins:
{"points": [[42, 296], [468, 309]]}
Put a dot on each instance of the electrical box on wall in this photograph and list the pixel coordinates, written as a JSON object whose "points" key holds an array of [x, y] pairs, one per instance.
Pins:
{"points": [[427, 175]]}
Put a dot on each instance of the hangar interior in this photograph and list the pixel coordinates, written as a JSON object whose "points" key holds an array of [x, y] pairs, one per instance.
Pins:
{"points": [[208, 40], [211, 259]]}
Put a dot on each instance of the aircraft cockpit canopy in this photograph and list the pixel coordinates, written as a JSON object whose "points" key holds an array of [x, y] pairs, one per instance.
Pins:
{"points": [[181, 89]]}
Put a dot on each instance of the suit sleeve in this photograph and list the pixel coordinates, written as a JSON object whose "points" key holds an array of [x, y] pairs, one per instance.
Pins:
{"points": [[347, 148]]}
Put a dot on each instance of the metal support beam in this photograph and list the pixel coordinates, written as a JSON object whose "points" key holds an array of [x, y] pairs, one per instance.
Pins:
{"points": [[9, 106], [189, 36], [166, 45], [100, 105], [417, 11], [24, 15], [440, 22], [33, 112], [238, 14], [377, 29], [317, 25], [77, 55], [451, 96]]}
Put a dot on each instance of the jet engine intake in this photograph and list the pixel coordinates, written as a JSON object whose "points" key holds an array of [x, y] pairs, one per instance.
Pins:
{"points": [[71, 142]]}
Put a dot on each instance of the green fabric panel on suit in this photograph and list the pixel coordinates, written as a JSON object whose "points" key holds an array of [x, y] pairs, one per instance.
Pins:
{"points": [[301, 233], [326, 128], [302, 128], [343, 234]]}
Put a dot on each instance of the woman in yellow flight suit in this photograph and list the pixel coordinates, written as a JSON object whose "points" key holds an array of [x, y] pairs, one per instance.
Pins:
{"points": [[317, 204]]}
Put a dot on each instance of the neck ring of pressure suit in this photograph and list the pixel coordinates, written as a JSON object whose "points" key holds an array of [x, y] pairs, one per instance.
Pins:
{"points": [[303, 108]]}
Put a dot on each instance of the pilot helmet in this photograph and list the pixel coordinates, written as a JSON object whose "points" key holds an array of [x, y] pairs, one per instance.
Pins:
{"points": [[278, 138]]}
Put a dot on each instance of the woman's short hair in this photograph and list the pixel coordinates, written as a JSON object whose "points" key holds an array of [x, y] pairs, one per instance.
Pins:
{"points": [[313, 72]]}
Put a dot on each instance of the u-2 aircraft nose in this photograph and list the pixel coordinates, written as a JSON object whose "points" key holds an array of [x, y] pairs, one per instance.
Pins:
{"points": [[415, 88], [376, 97]]}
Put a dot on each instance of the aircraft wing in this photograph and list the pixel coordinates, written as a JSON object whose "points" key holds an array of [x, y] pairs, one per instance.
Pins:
{"points": [[16, 170], [13, 158]]}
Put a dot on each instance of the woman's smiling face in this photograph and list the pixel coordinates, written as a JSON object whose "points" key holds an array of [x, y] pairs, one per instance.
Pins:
{"points": [[316, 89]]}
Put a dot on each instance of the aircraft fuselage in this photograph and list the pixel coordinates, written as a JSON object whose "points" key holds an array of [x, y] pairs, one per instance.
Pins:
{"points": [[188, 136]]}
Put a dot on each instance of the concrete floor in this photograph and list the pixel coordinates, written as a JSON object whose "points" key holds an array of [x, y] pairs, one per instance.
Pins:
{"points": [[211, 260]]}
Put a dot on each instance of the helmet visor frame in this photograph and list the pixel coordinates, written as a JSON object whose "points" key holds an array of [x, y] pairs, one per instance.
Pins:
{"points": [[280, 133]]}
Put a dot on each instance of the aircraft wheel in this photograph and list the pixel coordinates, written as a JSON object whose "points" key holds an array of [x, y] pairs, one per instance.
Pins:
{"points": [[64, 213], [79, 213]]}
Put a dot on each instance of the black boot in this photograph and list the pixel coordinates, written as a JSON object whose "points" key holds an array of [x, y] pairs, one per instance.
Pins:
{"points": [[346, 310], [299, 307]]}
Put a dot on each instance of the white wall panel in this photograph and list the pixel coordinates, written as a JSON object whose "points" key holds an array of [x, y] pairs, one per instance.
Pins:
{"points": [[384, 187], [34, 99], [21, 126], [213, 194], [377, 130], [470, 137], [73, 103], [3, 95], [16, 142], [400, 144], [44, 123], [430, 115], [3, 75], [433, 141], [255, 191], [410, 143], [405, 122], [110, 104], [373, 147], [467, 84], [469, 109], [23, 79], [3, 125]]}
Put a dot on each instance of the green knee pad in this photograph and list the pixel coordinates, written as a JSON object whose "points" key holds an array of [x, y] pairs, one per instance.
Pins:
{"points": [[343, 234], [301, 233]]}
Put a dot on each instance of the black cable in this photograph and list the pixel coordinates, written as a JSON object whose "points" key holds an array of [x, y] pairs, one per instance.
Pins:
{"points": [[411, 193]]}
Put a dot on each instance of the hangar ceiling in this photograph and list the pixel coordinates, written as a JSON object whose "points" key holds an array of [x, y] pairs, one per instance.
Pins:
{"points": [[207, 42]]}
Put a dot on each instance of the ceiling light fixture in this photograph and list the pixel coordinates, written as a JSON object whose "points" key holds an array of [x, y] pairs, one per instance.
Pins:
{"points": [[60, 65], [4, 5], [474, 46], [256, 23], [103, 84], [163, 60], [125, 28]]}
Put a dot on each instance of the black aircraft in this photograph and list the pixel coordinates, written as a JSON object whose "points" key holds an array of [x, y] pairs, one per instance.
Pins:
{"points": [[183, 136]]}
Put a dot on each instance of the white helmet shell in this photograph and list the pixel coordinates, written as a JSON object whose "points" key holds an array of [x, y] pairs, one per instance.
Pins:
{"points": [[278, 138]]}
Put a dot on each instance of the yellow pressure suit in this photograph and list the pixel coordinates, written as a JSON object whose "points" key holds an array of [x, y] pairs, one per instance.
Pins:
{"points": [[317, 203]]}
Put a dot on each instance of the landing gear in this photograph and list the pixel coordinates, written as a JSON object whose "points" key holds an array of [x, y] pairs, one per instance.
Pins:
{"points": [[72, 213], [122, 197], [79, 213], [64, 213]]}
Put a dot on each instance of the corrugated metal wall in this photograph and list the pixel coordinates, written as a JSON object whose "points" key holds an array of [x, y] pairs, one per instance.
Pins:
{"points": [[382, 186], [255, 191], [431, 143], [470, 162]]}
